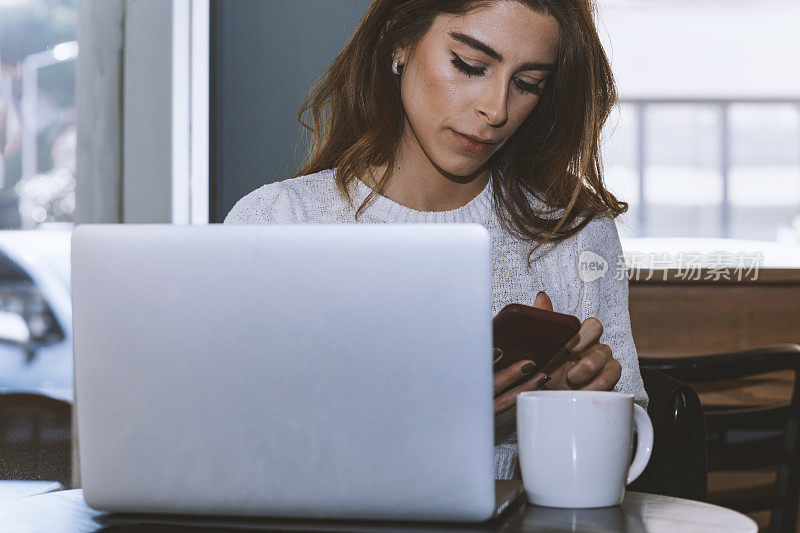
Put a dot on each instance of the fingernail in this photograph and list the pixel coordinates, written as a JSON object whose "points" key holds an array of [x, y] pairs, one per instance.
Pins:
{"points": [[530, 367], [540, 292]]}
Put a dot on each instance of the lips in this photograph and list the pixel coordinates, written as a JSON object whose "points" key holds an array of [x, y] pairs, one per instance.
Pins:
{"points": [[477, 139], [474, 144]]}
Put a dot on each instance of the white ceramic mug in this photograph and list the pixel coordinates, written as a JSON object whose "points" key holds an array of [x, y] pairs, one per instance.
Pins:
{"points": [[575, 446]]}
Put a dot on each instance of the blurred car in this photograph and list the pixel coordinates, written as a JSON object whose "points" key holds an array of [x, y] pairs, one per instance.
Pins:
{"points": [[36, 313]]}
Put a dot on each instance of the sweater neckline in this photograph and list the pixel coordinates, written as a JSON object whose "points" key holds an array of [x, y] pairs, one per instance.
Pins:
{"points": [[476, 210]]}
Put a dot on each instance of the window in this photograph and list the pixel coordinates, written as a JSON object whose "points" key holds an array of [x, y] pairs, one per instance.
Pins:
{"points": [[705, 142], [692, 168]]}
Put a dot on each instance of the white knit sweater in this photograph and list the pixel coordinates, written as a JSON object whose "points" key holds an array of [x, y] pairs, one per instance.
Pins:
{"points": [[315, 199]]}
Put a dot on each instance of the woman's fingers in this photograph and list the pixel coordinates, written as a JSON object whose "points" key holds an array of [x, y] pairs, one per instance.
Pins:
{"points": [[607, 378], [497, 355], [507, 377], [507, 400], [543, 301], [589, 334], [597, 361], [590, 331]]}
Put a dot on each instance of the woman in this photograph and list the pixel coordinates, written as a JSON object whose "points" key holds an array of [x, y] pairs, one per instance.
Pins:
{"points": [[487, 112]]}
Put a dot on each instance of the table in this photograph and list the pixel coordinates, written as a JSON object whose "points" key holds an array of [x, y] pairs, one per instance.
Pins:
{"points": [[66, 511], [13, 489]]}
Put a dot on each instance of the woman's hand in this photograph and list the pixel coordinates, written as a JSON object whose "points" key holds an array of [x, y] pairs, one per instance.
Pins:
{"points": [[503, 379], [583, 363]]}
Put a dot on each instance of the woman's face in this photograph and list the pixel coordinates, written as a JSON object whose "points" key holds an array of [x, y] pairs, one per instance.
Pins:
{"points": [[475, 75]]}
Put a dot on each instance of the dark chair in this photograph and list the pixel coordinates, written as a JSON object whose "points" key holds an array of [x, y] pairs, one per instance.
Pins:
{"points": [[750, 437], [35, 438], [677, 466]]}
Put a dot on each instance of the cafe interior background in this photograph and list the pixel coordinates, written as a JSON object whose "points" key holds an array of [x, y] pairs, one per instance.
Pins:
{"points": [[128, 111]]}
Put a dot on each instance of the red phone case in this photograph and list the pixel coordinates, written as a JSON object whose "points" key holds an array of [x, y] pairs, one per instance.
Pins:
{"points": [[525, 332]]}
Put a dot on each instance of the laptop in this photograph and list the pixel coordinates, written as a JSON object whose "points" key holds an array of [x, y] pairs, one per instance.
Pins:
{"points": [[302, 371]]}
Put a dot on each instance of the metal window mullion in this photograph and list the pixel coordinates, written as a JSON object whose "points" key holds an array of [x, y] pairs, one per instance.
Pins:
{"points": [[641, 156], [725, 165]]}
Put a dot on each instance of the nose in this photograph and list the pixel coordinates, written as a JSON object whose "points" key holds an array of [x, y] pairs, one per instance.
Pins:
{"points": [[493, 104]]}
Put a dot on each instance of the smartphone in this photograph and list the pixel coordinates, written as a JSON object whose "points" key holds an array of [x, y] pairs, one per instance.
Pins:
{"points": [[525, 332]]}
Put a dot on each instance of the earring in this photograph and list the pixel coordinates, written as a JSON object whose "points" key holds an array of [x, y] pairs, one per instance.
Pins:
{"points": [[396, 66]]}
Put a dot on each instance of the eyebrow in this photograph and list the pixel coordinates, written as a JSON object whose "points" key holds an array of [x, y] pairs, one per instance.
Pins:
{"points": [[494, 54]]}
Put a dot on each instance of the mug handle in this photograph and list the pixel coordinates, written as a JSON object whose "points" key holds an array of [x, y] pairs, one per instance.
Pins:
{"points": [[644, 443]]}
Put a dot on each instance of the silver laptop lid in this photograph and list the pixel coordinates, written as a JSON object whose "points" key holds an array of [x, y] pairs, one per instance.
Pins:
{"points": [[285, 370]]}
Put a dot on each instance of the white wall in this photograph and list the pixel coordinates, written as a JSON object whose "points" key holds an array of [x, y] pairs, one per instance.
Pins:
{"points": [[704, 48]]}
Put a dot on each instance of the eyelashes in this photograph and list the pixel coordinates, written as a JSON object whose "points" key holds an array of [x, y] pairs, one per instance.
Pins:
{"points": [[471, 71], [466, 68]]}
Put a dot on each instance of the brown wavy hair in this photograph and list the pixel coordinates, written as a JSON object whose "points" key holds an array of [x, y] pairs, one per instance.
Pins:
{"points": [[357, 118]]}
